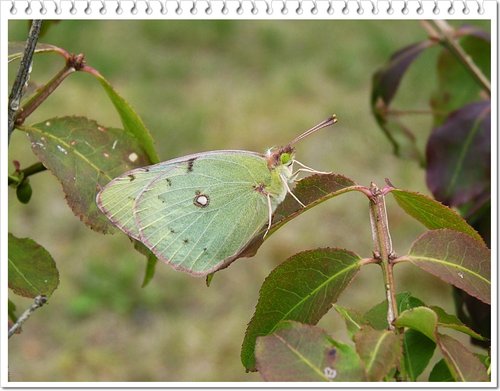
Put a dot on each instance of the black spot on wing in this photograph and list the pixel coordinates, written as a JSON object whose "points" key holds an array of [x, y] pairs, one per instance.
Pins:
{"points": [[132, 177], [190, 164]]}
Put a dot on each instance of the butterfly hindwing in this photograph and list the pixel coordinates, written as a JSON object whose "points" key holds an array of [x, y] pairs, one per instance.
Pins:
{"points": [[201, 214], [117, 199]]}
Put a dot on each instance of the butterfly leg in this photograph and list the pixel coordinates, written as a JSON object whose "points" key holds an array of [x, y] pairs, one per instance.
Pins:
{"points": [[307, 169], [285, 182], [270, 208]]}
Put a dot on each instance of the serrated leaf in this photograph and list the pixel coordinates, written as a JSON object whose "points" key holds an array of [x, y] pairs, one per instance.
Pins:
{"points": [[452, 322], [455, 85], [458, 156], [380, 351], [299, 352], [441, 372], [385, 84], [132, 123], [311, 191], [418, 350], [377, 315], [302, 288], [455, 258], [432, 213], [84, 156], [422, 319], [32, 271], [463, 365], [353, 319]]}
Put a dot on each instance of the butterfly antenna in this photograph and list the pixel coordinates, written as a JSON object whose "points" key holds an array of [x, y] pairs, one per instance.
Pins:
{"points": [[323, 124]]}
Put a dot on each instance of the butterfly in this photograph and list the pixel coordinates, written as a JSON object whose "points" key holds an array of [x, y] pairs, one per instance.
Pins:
{"points": [[198, 212]]}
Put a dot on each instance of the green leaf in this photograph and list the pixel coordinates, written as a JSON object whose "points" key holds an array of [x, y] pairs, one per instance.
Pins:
{"points": [[311, 191], [84, 156], [32, 271], [12, 311], [455, 85], [418, 350], [455, 258], [452, 322], [441, 372], [432, 213], [150, 269], [353, 319], [422, 319], [302, 288], [464, 366], [377, 315], [380, 351], [299, 352], [132, 123]]}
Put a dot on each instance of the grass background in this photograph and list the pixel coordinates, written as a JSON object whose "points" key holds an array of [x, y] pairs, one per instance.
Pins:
{"points": [[205, 85]]}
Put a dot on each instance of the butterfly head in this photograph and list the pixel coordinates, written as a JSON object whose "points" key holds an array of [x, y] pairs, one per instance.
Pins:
{"points": [[280, 157]]}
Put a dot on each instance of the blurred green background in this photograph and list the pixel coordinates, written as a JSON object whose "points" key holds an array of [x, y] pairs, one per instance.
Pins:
{"points": [[204, 85]]}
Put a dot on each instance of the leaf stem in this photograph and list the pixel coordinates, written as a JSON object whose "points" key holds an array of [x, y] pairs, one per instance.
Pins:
{"points": [[383, 251], [38, 302], [26, 172], [22, 75], [447, 37]]}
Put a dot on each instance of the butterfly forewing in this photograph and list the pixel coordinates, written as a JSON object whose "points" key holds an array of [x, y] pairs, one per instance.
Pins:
{"points": [[201, 214]]}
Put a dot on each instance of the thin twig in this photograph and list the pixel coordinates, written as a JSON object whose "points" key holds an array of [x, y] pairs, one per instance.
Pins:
{"points": [[23, 74], [37, 303]]}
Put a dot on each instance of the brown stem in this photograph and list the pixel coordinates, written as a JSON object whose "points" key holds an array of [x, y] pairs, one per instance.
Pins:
{"points": [[43, 94], [73, 63], [22, 75], [383, 249]]}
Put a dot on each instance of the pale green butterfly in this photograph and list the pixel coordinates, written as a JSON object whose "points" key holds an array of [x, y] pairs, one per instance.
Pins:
{"points": [[198, 212]]}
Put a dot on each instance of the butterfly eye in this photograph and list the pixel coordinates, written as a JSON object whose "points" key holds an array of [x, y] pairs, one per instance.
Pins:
{"points": [[286, 158]]}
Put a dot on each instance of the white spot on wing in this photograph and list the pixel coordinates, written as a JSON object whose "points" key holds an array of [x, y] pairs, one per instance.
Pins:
{"points": [[202, 200]]}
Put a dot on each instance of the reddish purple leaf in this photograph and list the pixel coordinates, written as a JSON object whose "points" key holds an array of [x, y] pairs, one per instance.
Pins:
{"points": [[311, 191], [84, 156], [464, 365], [380, 351], [299, 352], [458, 156], [457, 259]]}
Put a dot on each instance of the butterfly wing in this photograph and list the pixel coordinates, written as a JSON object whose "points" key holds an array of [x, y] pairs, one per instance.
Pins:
{"points": [[196, 212], [199, 217], [117, 198]]}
